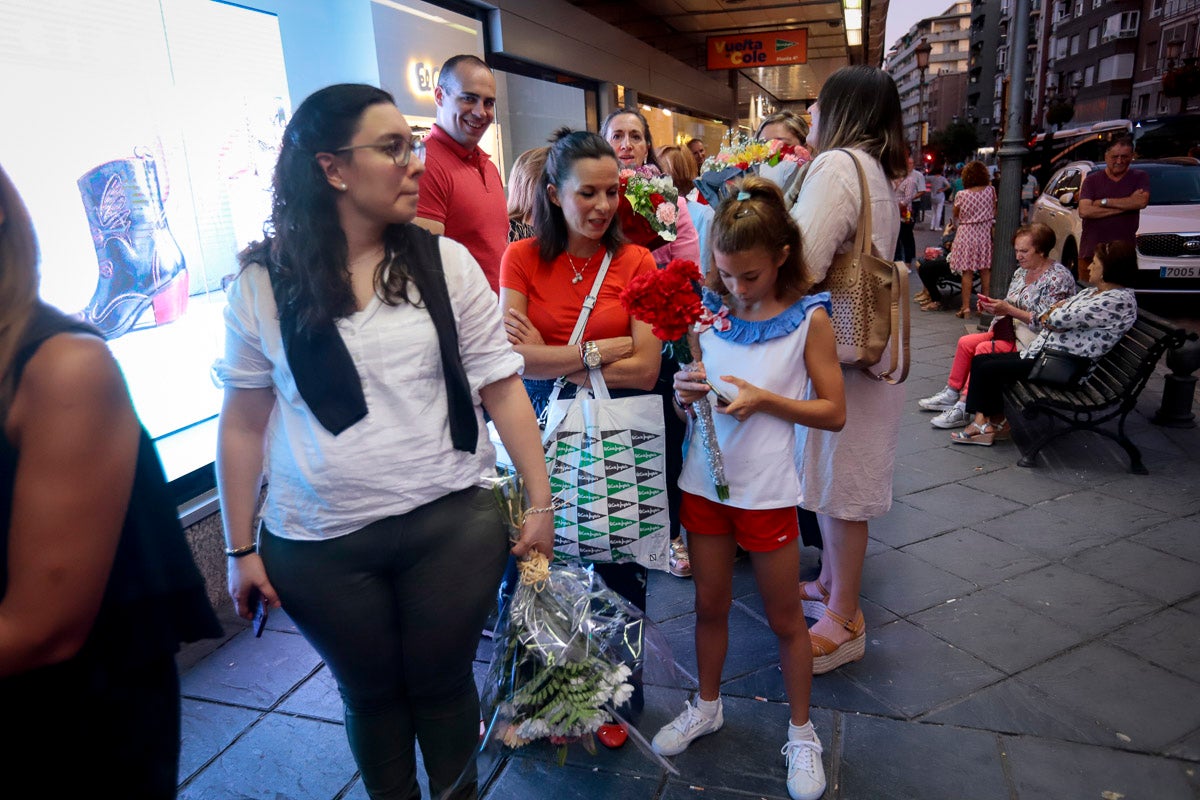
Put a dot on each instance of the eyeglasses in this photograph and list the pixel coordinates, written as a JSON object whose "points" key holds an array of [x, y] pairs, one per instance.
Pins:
{"points": [[400, 151]]}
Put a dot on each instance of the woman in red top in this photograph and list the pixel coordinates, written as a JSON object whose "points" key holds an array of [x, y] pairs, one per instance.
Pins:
{"points": [[544, 280]]}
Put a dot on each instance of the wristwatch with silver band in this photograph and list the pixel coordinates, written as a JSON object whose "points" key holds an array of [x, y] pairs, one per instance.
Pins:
{"points": [[591, 355]]}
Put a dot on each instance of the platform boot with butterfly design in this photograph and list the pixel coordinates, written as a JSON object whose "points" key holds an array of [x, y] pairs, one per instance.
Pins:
{"points": [[141, 265]]}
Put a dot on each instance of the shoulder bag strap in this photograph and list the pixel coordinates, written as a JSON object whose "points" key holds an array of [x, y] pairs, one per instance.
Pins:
{"points": [[589, 303]]}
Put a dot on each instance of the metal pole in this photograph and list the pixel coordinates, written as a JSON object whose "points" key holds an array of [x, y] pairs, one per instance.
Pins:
{"points": [[1012, 155], [921, 121]]}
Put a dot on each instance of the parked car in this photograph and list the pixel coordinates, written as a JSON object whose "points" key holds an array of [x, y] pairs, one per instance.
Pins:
{"points": [[1168, 237]]}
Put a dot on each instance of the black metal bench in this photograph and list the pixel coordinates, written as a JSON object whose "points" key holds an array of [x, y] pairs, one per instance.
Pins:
{"points": [[1111, 391]]}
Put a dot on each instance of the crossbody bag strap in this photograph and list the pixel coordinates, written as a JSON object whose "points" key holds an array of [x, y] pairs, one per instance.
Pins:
{"points": [[585, 313]]}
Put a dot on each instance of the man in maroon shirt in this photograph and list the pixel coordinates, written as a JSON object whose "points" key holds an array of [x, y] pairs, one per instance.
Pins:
{"points": [[1110, 201], [460, 194]]}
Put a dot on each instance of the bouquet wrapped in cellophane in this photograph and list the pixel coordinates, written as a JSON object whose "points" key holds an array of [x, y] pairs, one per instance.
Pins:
{"points": [[647, 206], [742, 155], [564, 651]]}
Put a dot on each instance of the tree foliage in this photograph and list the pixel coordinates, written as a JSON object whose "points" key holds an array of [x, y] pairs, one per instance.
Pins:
{"points": [[1183, 81], [956, 142]]}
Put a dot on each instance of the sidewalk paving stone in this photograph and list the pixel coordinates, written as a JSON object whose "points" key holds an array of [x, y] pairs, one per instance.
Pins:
{"points": [[904, 584], [1076, 600], [997, 631], [964, 504], [1103, 510], [206, 729], [1170, 639], [1037, 530], [974, 556], [904, 524], [1144, 706], [1049, 769], [1020, 484], [1179, 538], [1140, 568], [884, 759], [252, 672]]}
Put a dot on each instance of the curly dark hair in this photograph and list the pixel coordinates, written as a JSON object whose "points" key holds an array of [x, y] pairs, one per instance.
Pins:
{"points": [[1118, 260], [304, 247], [549, 224], [975, 174]]}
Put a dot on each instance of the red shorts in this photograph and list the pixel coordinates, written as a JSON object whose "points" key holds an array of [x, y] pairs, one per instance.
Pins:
{"points": [[758, 530]]}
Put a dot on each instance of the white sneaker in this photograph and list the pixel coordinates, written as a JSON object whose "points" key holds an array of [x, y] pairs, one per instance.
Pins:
{"points": [[806, 774], [953, 417], [677, 734], [942, 401]]}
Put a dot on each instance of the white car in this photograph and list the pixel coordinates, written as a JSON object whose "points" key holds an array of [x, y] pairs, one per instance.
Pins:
{"points": [[1168, 237]]}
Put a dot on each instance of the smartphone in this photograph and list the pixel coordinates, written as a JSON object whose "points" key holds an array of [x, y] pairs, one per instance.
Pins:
{"points": [[260, 612], [722, 398]]}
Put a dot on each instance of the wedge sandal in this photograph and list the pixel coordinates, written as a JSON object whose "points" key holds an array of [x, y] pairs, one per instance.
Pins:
{"points": [[814, 597], [984, 434], [827, 655]]}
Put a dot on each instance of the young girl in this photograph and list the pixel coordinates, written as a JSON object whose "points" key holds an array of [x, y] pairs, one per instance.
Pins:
{"points": [[768, 339]]}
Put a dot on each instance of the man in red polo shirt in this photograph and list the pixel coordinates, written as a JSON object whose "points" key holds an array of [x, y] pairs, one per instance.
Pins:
{"points": [[460, 194]]}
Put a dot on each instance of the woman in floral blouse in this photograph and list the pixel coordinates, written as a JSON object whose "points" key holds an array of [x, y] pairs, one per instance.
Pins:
{"points": [[1088, 324]]}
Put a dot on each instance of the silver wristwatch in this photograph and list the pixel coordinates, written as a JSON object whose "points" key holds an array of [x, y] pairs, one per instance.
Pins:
{"points": [[591, 355]]}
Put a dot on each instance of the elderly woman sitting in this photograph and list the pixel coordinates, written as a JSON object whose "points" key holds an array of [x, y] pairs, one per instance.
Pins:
{"points": [[1087, 325]]}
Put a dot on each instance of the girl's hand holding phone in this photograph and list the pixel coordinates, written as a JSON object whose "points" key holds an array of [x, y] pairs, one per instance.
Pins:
{"points": [[745, 403], [691, 383]]}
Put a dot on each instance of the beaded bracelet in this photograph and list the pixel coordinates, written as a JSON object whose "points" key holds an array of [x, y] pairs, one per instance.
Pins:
{"points": [[544, 510], [241, 552]]}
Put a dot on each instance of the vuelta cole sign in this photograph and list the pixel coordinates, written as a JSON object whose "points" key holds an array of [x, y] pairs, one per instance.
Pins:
{"points": [[769, 49]]}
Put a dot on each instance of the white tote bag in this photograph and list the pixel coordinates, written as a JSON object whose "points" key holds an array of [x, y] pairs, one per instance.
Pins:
{"points": [[607, 464]]}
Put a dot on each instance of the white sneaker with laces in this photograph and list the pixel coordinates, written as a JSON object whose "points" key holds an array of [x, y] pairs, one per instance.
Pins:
{"points": [[942, 401], [953, 417], [806, 773], [677, 734]]}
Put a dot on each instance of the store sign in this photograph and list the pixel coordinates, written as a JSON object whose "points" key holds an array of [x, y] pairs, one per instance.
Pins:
{"points": [[770, 49]]}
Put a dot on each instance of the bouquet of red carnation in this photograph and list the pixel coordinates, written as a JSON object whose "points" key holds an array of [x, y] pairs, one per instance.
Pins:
{"points": [[668, 300]]}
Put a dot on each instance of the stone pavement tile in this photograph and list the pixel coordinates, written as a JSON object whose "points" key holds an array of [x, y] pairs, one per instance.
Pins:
{"points": [[903, 583], [899, 663], [1088, 458], [831, 690], [316, 697], [1162, 492], [875, 615], [1037, 530], [668, 596], [744, 755], [1164, 577], [908, 480], [903, 524], [1170, 639], [1015, 707], [1048, 769], [281, 756], [752, 645], [252, 672], [528, 777], [1101, 509], [952, 463], [922, 370], [1188, 748], [996, 630], [1079, 601], [682, 791], [1023, 485], [965, 505], [1145, 707], [975, 556], [873, 546], [1177, 538], [884, 759], [1191, 606], [206, 730]]}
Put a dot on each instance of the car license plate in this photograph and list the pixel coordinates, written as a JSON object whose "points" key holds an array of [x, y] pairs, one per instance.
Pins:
{"points": [[1179, 272]]}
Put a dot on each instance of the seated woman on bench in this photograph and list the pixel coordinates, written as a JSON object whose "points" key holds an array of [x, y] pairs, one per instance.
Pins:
{"points": [[1087, 325], [1037, 284]]}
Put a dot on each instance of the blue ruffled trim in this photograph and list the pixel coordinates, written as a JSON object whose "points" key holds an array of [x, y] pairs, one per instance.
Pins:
{"points": [[751, 332]]}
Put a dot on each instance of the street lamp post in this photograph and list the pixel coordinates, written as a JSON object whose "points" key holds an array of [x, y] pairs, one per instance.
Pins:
{"points": [[921, 52]]}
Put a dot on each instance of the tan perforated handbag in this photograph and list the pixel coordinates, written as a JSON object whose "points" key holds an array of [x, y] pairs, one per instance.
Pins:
{"points": [[868, 294]]}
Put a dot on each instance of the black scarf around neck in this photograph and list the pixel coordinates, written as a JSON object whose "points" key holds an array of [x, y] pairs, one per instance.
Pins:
{"points": [[325, 374]]}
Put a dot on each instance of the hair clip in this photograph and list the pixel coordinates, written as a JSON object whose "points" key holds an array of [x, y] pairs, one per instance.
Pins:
{"points": [[745, 212], [743, 196]]}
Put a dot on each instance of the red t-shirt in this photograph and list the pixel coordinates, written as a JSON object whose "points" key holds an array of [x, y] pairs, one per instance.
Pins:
{"points": [[462, 190], [1119, 227], [555, 302]]}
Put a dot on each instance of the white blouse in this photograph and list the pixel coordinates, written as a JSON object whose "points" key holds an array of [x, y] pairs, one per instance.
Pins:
{"points": [[399, 456]]}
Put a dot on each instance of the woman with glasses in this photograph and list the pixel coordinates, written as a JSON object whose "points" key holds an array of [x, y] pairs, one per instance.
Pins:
{"points": [[360, 353]]}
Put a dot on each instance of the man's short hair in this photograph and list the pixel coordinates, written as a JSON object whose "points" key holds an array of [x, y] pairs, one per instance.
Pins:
{"points": [[1124, 140], [452, 63], [694, 141]]}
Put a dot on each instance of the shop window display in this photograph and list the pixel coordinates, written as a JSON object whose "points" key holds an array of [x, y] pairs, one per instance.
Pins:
{"points": [[143, 135]]}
